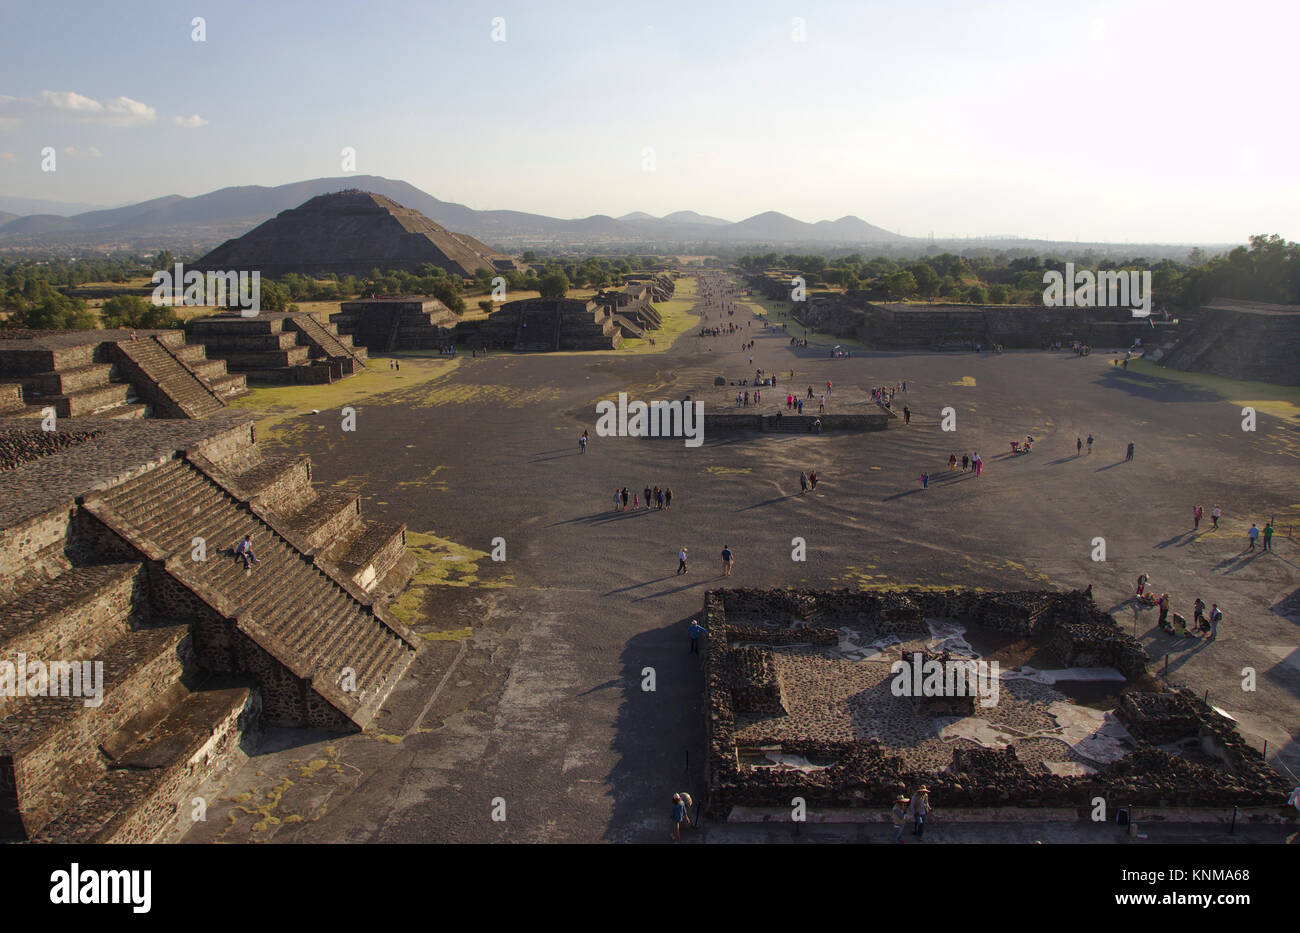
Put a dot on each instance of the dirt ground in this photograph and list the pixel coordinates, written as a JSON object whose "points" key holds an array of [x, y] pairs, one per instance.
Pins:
{"points": [[527, 719]]}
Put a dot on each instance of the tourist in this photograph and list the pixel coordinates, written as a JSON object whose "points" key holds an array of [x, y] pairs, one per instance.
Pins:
{"points": [[1163, 604], [1129, 456], [979, 464], [810, 392], [679, 815], [925, 480], [1197, 512], [668, 497], [1215, 618], [618, 498], [659, 497], [801, 406], [812, 479], [681, 561], [1143, 580], [695, 631], [1089, 443], [582, 443], [1215, 516], [920, 808], [803, 483], [952, 462], [899, 816], [1253, 534], [1198, 615], [1078, 446], [636, 502], [965, 462], [647, 497], [727, 557], [624, 498], [907, 415], [244, 551], [1268, 536]]}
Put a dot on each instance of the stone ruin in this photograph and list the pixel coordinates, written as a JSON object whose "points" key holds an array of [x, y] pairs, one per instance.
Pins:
{"points": [[115, 547], [280, 347], [1165, 748]]}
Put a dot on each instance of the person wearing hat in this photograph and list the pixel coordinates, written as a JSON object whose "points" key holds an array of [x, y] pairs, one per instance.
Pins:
{"points": [[899, 816], [681, 561], [920, 809]]}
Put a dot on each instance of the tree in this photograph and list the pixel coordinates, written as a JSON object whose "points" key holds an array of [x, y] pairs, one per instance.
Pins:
{"points": [[901, 284], [485, 305], [529, 256], [927, 280], [999, 294], [976, 295], [123, 311], [164, 260], [554, 285]]}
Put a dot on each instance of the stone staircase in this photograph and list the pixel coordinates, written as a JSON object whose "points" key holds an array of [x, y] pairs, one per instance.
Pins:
{"points": [[111, 374], [323, 340], [171, 387], [317, 628], [538, 330]]}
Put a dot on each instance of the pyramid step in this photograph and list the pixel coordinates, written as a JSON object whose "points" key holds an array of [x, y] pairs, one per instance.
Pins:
{"points": [[158, 763], [84, 402], [329, 516], [72, 379], [368, 556], [74, 615], [49, 744]]}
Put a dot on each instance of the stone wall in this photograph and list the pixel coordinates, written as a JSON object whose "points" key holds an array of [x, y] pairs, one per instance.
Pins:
{"points": [[864, 774]]}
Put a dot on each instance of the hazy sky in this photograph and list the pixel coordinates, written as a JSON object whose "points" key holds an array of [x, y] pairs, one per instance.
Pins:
{"points": [[1132, 120]]}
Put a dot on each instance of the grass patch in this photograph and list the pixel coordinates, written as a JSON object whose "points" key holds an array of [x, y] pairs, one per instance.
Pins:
{"points": [[1279, 401]]}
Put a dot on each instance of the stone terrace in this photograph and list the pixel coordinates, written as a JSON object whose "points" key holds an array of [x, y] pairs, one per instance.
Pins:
{"points": [[115, 549]]}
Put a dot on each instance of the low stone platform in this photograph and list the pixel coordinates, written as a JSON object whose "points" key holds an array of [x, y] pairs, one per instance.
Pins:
{"points": [[801, 703]]}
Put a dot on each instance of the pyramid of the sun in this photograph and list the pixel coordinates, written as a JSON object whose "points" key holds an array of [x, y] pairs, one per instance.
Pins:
{"points": [[351, 233]]}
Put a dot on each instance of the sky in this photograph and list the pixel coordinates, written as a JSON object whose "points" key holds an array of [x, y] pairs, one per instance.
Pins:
{"points": [[1109, 121]]}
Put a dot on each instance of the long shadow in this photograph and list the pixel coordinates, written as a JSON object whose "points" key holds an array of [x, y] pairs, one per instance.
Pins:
{"points": [[636, 586], [901, 495], [1059, 460], [605, 686], [659, 736], [699, 581], [1176, 538], [1111, 467], [1245, 560], [556, 457], [759, 505], [1154, 388]]}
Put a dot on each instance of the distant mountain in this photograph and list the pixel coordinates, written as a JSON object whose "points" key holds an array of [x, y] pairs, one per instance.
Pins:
{"points": [[24, 206], [5, 217], [230, 212]]}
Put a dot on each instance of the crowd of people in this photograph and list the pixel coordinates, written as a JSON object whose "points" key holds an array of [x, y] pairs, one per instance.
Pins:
{"points": [[655, 498]]}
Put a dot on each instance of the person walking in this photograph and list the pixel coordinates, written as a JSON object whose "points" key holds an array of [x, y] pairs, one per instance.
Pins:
{"points": [[1215, 516], [681, 561], [679, 816], [668, 497], [624, 498], [1078, 446], [965, 462], [1129, 455], [920, 809], [812, 479], [952, 462], [659, 498], [925, 480], [1268, 536], [1197, 512], [803, 483], [727, 558], [695, 630], [899, 817], [1253, 534], [907, 415], [582, 443], [1089, 443], [618, 498], [979, 463]]}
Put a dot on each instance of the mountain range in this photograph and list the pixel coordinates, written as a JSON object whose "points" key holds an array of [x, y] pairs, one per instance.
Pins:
{"points": [[230, 212]]}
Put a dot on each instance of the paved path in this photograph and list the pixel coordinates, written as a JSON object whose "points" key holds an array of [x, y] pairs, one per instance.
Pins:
{"points": [[542, 708]]}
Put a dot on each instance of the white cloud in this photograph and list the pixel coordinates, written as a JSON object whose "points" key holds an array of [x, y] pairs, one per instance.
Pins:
{"points": [[192, 122], [71, 107]]}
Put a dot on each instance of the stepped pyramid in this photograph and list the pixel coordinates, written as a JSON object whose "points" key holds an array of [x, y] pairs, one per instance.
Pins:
{"points": [[98, 564], [111, 373], [350, 233]]}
